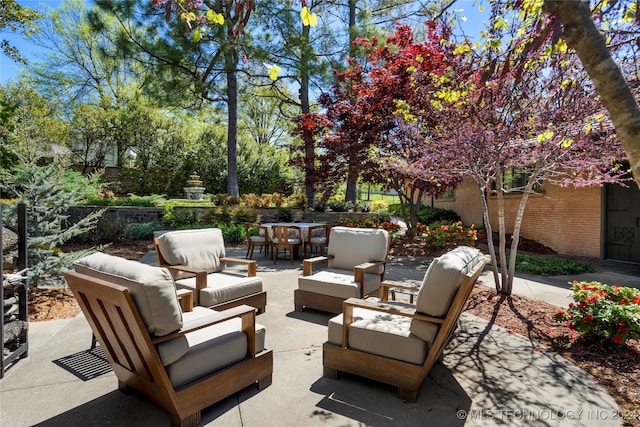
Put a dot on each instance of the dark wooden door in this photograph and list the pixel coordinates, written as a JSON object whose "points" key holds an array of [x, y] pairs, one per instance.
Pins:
{"points": [[623, 223]]}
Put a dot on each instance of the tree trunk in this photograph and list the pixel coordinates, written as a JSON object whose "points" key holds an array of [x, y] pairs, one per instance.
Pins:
{"points": [[305, 105], [502, 245], [352, 178], [232, 117], [489, 230], [352, 184], [581, 34]]}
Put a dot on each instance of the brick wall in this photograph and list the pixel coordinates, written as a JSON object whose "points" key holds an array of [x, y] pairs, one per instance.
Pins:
{"points": [[466, 203], [565, 219]]}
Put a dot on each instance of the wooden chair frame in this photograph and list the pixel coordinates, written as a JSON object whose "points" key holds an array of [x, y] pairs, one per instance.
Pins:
{"points": [[131, 351], [408, 377], [252, 244], [281, 239], [257, 300]]}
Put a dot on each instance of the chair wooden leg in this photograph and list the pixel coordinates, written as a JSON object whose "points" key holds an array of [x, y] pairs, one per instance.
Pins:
{"points": [[330, 373], [189, 421], [123, 387], [408, 395], [264, 382]]}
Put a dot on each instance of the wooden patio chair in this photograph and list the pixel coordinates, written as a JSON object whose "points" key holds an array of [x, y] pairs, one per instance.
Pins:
{"points": [[287, 237], [317, 237], [197, 260], [397, 343], [262, 239], [355, 267], [181, 361]]}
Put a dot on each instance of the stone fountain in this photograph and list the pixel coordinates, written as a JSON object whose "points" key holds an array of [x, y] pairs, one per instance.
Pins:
{"points": [[194, 191]]}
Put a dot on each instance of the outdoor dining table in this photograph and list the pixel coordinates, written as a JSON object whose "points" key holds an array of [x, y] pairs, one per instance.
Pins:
{"points": [[304, 227]]}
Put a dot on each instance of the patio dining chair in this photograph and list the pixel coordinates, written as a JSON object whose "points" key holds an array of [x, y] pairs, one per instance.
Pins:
{"points": [[287, 238], [257, 235], [317, 236]]}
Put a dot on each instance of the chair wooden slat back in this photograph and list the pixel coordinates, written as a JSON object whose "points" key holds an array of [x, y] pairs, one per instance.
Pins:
{"points": [[287, 237], [118, 326]]}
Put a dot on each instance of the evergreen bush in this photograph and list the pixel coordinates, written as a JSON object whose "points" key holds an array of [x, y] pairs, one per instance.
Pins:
{"points": [[48, 192]]}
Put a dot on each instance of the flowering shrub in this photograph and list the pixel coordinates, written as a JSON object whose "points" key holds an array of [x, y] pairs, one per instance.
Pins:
{"points": [[453, 234], [391, 227], [611, 312]]}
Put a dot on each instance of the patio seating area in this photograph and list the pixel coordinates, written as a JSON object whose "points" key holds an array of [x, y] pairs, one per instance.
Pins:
{"points": [[488, 376]]}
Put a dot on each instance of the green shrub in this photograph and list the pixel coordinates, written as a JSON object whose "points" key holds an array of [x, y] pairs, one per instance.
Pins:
{"points": [[111, 230], [428, 215], [379, 206], [98, 199], [338, 205], [448, 234], [285, 215], [233, 233], [298, 200], [550, 266], [244, 214], [144, 231], [603, 311]]}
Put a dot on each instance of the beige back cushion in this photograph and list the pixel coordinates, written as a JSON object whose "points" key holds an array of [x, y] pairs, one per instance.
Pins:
{"points": [[152, 288], [353, 246], [199, 249], [443, 279]]}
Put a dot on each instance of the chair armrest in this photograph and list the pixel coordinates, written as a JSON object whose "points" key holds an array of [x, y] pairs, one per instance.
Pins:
{"points": [[245, 312], [185, 297], [385, 286], [251, 264], [307, 264], [185, 269], [359, 270], [201, 278], [383, 307]]}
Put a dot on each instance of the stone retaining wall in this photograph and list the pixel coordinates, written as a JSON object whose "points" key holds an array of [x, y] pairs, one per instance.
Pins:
{"points": [[141, 215]]}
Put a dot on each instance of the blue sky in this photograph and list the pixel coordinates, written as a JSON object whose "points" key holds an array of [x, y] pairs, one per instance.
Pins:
{"points": [[8, 69]]}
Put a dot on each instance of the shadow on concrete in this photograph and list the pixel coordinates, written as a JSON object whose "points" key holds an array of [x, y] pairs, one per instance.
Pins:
{"points": [[441, 398]]}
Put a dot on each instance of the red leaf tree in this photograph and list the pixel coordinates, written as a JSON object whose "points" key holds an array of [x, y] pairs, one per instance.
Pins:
{"points": [[375, 136]]}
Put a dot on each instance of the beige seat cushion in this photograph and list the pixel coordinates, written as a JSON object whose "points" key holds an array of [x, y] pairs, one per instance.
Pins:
{"points": [[223, 287], [338, 283], [349, 247], [213, 348], [382, 334], [171, 351], [200, 249], [152, 288]]}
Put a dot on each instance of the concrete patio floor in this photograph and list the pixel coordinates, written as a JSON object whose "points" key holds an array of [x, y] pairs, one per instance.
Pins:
{"points": [[489, 377]]}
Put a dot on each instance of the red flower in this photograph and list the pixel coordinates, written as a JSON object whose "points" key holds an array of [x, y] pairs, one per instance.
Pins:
{"points": [[624, 301], [636, 300], [617, 339]]}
